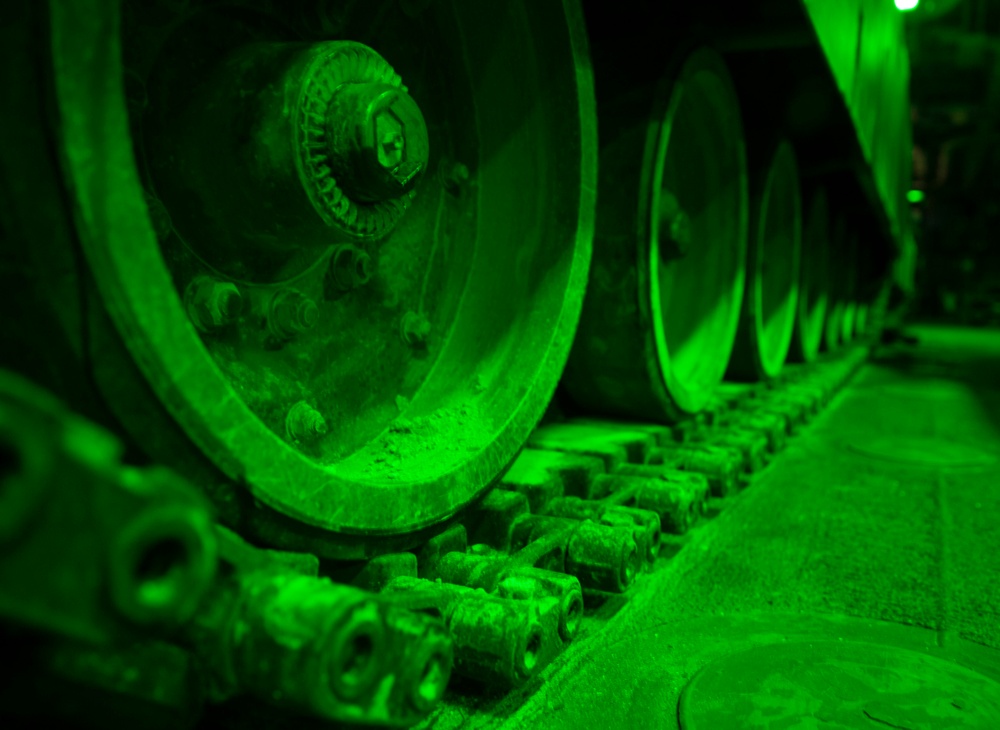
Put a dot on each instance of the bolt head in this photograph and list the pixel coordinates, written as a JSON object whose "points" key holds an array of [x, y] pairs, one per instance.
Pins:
{"points": [[213, 304], [230, 303], [350, 267], [415, 329], [304, 423], [317, 424], [389, 140], [307, 314], [396, 141], [291, 313], [361, 272]]}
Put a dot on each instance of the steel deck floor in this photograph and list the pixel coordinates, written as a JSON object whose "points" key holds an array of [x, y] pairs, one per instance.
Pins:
{"points": [[880, 523]]}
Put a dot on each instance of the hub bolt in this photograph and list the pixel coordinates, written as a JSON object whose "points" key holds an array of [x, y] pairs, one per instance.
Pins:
{"points": [[291, 313], [350, 268], [212, 304], [415, 328], [304, 424]]}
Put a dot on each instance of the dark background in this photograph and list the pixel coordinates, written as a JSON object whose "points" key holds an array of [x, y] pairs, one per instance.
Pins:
{"points": [[955, 92]]}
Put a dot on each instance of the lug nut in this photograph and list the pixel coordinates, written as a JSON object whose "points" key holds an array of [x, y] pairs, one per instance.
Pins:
{"points": [[212, 304], [415, 328], [350, 268], [291, 313], [304, 423]]}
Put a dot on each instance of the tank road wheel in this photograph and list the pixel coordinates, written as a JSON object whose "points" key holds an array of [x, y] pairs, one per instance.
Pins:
{"points": [[814, 281], [771, 298], [666, 282], [346, 251]]}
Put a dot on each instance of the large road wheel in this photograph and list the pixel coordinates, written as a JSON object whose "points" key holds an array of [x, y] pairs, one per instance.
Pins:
{"points": [[771, 298], [345, 252], [667, 278]]}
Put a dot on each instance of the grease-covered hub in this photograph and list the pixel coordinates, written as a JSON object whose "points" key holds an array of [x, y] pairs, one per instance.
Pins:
{"points": [[377, 139], [281, 150]]}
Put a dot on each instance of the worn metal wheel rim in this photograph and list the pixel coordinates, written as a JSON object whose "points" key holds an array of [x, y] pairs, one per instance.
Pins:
{"points": [[83, 55], [776, 303], [689, 375]]}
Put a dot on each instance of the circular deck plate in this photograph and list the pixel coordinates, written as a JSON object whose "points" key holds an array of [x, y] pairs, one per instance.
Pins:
{"points": [[837, 684]]}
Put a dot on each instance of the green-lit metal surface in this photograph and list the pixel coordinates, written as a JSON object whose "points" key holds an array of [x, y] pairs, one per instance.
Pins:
{"points": [[838, 27], [326, 259], [865, 47]]}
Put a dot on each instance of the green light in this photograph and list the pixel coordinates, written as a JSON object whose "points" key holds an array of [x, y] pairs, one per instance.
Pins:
{"points": [[905, 5], [914, 196]]}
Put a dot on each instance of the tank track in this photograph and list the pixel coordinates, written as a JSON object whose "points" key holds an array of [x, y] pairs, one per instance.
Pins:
{"points": [[579, 520]]}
